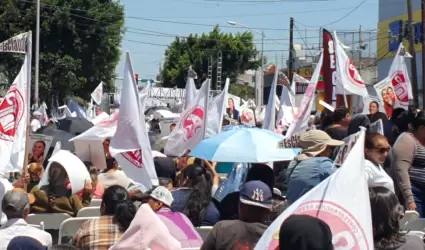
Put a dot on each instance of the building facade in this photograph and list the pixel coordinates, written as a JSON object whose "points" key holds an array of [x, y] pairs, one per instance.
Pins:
{"points": [[392, 30]]}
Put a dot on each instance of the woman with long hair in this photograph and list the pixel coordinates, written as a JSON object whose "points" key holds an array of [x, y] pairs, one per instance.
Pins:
{"points": [[386, 213], [117, 211], [193, 197], [56, 197], [112, 175], [409, 164], [376, 152], [374, 113]]}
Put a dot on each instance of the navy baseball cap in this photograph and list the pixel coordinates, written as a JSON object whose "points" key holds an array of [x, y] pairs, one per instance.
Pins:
{"points": [[256, 193]]}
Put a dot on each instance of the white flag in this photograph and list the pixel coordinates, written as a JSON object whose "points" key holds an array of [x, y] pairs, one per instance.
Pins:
{"points": [[130, 144], [342, 201], [102, 130], [190, 130], [270, 113], [346, 72], [44, 118], [400, 91], [287, 102], [190, 92], [97, 94], [300, 123], [14, 108], [216, 111]]}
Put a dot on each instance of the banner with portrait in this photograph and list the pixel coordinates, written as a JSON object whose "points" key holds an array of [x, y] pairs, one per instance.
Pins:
{"points": [[39, 146], [387, 95]]}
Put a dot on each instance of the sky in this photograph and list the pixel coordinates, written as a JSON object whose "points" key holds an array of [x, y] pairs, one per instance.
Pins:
{"points": [[151, 25]]}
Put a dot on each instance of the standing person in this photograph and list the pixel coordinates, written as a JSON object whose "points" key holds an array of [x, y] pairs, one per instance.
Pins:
{"points": [[340, 120], [193, 197], [409, 164], [390, 129], [313, 165], [117, 211], [180, 227], [386, 214], [172, 126], [16, 206], [376, 151], [255, 203], [106, 144], [231, 111], [35, 121], [374, 113]]}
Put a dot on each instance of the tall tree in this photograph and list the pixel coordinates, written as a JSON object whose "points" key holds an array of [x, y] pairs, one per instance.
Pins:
{"points": [[79, 43], [238, 53]]}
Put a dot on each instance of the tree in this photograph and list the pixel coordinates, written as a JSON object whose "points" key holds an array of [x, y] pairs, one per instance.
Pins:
{"points": [[238, 53], [80, 43]]}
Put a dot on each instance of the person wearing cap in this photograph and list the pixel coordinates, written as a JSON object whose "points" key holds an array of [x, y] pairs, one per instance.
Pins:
{"points": [[312, 165], [180, 227], [16, 206], [255, 204], [35, 121]]}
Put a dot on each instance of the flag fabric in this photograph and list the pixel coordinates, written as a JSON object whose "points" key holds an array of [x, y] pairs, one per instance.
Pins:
{"points": [[401, 88], [190, 92], [270, 113], [14, 108], [300, 122], [216, 111], [130, 143], [75, 107], [342, 201], [97, 94], [104, 128], [347, 74], [377, 127], [287, 102], [44, 118], [327, 80], [190, 129]]}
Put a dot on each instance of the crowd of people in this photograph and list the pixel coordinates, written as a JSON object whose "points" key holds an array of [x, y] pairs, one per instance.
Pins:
{"points": [[168, 216]]}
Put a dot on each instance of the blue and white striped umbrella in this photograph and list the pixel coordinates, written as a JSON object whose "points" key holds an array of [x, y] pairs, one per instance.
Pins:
{"points": [[244, 145]]}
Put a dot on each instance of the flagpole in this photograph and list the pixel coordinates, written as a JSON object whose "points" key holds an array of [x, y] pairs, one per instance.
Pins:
{"points": [[207, 101], [27, 134], [37, 54]]}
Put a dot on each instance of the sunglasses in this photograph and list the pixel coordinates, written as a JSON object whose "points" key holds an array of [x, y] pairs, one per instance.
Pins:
{"points": [[383, 150]]}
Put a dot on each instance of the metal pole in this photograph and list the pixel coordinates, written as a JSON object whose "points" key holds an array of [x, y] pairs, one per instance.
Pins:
{"points": [[37, 54], [261, 101], [423, 54], [413, 53], [291, 48]]}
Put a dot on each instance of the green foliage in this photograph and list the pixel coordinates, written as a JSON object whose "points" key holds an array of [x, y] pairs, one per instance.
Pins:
{"points": [[80, 43], [238, 52], [243, 91]]}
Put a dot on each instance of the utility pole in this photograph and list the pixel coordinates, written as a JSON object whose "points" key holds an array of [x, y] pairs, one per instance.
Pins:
{"points": [[37, 55], [423, 53], [412, 51], [291, 49], [360, 49]]}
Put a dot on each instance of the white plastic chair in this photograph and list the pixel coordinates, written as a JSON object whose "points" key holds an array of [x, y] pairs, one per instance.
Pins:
{"points": [[89, 212], [204, 232], [50, 221], [95, 203], [415, 225], [409, 215], [40, 226], [70, 226]]}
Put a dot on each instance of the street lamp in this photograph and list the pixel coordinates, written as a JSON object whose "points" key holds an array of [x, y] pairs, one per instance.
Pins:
{"points": [[259, 96]]}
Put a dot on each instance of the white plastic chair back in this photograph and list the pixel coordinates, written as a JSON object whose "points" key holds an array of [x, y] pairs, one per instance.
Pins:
{"points": [[50, 221], [89, 212], [415, 225], [409, 215], [40, 226], [204, 232], [95, 203], [70, 226]]}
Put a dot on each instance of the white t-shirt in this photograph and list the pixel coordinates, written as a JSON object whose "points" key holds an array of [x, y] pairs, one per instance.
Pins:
{"points": [[377, 177], [5, 186], [35, 125]]}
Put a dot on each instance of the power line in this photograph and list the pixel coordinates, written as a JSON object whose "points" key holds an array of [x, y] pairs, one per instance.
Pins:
{"points": [[339, 19]]}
